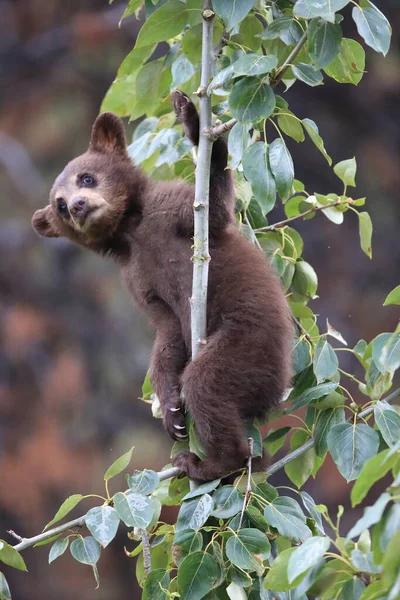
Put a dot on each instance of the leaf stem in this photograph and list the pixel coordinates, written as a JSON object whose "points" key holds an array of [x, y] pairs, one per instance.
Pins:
{"points": [[290, 219]]}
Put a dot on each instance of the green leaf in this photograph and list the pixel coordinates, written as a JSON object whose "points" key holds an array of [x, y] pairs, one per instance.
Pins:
{"points": [[326, 420], [364, 562], [282, 167], [346, 171], [300, 469], [232, 11], [197, 575], [188, 541], [150, 124], [277, 578], [148, 81], [305, 279], [307, 74], [285, 28], [324, 40], [238, 141], [349, 65], [5, 593], [310, 507], [143, 482], [11, 557], [352, 589], [291, 125], [58, 548], [285, 514], [247, 548], [253, 64], [133, 5], [373, 470], [325, 8], [393, 297], [251, 100], [257, 172], [165, 23], [313, 393], [195, 512], [276, 439], [365, 224], [227, 502], [391, 564], [388, 421], [374, 591], [204, 488], [65, 508], [155, 583], [118, 466], [86, 550], [325, 361], [312, 131], [351, 446], [306, 556], [301, 11], [182, 71], [373, 26], [102, 522], [301, 356], [135, 510]]}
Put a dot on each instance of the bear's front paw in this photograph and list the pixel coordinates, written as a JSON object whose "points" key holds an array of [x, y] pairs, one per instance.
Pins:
{"points": [[175, 422], [181, 102], [187, 463]]}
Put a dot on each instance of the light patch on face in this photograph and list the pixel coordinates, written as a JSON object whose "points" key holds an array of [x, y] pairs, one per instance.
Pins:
{"points": [[96, 205]]}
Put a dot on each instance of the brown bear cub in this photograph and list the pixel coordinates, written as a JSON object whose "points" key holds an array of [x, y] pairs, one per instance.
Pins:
{"points": [[104, 203]]}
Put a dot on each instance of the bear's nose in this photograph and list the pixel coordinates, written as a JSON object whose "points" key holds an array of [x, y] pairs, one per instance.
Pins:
{"points": [[78, 205]]}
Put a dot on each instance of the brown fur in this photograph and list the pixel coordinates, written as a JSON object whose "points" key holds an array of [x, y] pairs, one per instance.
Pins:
{"points": [[147, 227]]}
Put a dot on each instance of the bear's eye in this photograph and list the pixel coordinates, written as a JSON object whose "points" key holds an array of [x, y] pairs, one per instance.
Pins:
{"points": [[87, 180], [62, 206]]}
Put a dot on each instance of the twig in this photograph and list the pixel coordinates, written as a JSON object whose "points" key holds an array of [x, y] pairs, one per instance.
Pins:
{"points": [[310, 443], [80, 521], [215, 132], [174, 472], [290, 219], [248, 486], [13, 534], [288, 62], [146, 551], [201, 254]]}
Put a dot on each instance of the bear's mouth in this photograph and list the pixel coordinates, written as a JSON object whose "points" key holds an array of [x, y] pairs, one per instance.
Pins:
{"points": [[83, 218]]}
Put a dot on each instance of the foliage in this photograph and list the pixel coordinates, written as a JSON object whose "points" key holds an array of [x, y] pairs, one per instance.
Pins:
{"points": [[249, 540]]}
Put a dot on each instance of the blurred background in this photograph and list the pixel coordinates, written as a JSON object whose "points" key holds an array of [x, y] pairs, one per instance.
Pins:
{"points": [[73, 350]]}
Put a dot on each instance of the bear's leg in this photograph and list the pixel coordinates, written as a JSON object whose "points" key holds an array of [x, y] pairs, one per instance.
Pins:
{"points": [[213, 398]]}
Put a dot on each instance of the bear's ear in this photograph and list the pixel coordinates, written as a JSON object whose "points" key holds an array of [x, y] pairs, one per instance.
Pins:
{"points": [[43, 223], [108, 134]]}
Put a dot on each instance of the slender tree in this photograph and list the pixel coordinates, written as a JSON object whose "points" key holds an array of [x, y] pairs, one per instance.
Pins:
{"points": [[250, 540]]}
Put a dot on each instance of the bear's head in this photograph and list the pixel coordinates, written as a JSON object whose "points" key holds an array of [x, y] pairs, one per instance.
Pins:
{"points": [[90, 197]]}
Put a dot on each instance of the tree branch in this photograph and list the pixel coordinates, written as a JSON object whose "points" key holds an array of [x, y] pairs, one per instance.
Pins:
{"points": [[174, 472], [215, 132], [201, 255], [290, 219]]}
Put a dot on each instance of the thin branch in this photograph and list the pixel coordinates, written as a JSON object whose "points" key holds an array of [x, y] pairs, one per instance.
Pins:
{"points": [[310, 443], [201, 254], [248, 486], [215, 132], [174, 472], [80, 521], [280, 224], [146, 551], [288, 62]]}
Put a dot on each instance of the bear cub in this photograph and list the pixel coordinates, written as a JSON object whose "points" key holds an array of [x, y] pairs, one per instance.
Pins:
{"points": [[105, 203]]}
